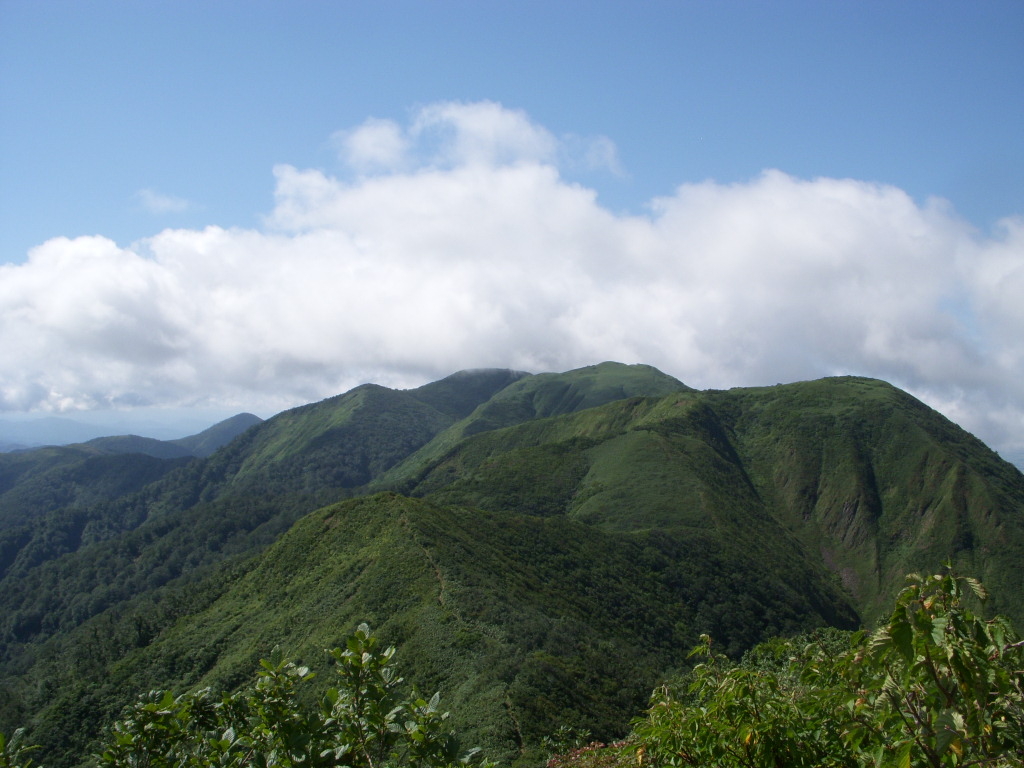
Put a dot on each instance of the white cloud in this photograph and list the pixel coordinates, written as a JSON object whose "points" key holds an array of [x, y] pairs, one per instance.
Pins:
{"points": [[453, 134], [469, 249], [376, 145], [154, 202], [480, 133]]}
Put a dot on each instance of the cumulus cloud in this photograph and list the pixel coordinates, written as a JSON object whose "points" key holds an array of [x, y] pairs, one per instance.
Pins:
{"points": [[458, 243], [452, 134], [481, 133]]}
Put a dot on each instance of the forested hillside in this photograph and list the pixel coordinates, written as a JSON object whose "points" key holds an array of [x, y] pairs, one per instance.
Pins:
{"points": [[544, 548]]}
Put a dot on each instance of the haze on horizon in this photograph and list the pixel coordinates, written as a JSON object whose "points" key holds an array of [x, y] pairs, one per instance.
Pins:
{"points": [[245, 211]]}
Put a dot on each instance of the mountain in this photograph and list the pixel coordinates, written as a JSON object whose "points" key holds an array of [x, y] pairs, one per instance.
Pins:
{"points": [[55, 430], [870, 482], [200, 445], [79, 475], [149, 446], [542, 548], [217, 436]]}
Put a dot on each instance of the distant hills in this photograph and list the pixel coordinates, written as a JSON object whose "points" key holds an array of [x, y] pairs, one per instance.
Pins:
{"points": [[200, 445], [56, 430], [543, 548]]}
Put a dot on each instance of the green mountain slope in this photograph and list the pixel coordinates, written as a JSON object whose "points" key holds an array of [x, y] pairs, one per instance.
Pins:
{"points": [[36, 484], [541, 396], [158, 449], [868, 482], [458, 395], [881, 485], [254, 487], [523, 623], [104, 549], [544, 548], [53, 499], [346, 441], [554, 394], [217, 436], [199, 445]]}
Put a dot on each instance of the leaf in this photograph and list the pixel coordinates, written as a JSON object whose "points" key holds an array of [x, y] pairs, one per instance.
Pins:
{"points": [[903, 638], [977, 587], [998, 633], [945, 727], [902, 757]]}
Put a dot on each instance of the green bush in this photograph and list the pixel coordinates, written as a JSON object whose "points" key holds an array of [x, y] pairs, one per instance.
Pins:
{"points": [[936, 686], [367, 721]]}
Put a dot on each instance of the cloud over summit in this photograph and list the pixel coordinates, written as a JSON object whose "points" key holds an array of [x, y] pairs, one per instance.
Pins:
{"points": [[456, 240]]}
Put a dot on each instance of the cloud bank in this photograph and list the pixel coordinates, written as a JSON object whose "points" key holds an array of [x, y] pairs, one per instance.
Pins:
{"points": [[456, 241]]}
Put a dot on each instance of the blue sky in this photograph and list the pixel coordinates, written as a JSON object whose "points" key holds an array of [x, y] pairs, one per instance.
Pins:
{"points": [[198, 100], [753, 168]]}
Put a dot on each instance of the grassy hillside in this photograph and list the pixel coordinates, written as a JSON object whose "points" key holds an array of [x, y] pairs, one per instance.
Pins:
{"points": [[458, 395], [76, 547], [523, 623], [543, 547], [542, 396], [881, 485], [868, 482]]}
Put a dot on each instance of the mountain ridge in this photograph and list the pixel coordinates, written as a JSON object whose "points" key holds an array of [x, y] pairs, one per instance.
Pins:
{"points": [[531, 540]]}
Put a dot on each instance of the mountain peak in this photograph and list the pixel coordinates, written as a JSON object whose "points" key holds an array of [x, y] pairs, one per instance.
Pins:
{"points": [[219, 435]]}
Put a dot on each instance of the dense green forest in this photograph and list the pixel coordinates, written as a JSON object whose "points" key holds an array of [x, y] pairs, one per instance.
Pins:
{"points": [[935, 685], [544, 549]]}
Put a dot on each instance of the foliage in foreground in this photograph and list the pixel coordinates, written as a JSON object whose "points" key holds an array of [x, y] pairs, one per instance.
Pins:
{"points": [[14, 752], [366, 721], [936, 686]]}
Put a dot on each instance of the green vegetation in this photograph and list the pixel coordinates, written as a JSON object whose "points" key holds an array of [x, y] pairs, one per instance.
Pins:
{"points": [[15, 752], [217, 436], [366, 720], [935, 686], [522, 622], [544, 549]]}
